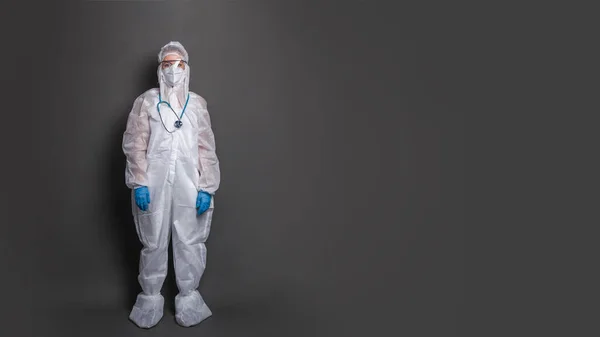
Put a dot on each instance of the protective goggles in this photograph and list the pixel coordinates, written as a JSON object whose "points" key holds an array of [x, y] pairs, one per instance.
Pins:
{"points": [[168, 64]]}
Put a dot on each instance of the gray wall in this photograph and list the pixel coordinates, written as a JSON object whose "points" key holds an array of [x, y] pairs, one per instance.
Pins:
{"points": [[341, 206]]}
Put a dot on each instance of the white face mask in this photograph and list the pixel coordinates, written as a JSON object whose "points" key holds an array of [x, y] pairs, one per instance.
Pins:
{"points": [[173, 75]]}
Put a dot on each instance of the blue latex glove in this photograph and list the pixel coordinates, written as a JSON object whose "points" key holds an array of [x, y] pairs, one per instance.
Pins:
{"points": [[203, 202], [142, 198]]}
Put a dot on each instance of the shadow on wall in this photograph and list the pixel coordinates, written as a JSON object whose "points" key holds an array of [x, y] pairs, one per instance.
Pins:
{"points": [[123, 228]]}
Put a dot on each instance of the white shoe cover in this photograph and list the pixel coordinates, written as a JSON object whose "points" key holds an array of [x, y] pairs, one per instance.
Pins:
{"points": [[147, 310], [190, 309]]}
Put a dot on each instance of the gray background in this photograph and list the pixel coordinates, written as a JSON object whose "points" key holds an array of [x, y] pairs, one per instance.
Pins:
{"points": [[341, 206]]}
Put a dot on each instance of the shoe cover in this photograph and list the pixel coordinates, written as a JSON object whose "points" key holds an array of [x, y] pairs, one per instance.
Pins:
{"points": [[147, 310], [190, 309]]}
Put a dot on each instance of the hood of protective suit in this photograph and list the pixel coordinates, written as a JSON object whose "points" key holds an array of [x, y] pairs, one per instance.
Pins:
{"points": [[176, 95]]}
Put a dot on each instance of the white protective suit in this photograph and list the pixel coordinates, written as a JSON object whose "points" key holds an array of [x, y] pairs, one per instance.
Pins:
{"points": [[175, 165]]}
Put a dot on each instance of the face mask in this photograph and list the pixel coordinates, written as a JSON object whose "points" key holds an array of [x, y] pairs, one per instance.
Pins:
{"points": [[173, 75]]}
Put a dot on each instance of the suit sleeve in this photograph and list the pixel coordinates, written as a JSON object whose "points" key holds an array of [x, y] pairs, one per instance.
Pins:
{"points": [[135, 145], [210, 174]]}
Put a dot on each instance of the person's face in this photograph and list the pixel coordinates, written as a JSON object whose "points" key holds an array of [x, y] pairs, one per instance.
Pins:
{"points": [[171, 59]]}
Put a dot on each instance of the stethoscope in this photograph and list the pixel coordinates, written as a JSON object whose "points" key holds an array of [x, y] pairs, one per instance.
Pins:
{"points": [[178, 122]]}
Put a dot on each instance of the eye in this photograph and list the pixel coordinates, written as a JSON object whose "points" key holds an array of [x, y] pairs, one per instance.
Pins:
{"points": [[181, 65]]}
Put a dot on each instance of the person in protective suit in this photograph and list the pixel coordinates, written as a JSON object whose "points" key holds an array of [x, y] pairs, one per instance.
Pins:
{"points": [[173, 171]]}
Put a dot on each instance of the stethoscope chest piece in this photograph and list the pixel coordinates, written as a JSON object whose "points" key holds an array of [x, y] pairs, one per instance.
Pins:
{"points": [[178, 124]]}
